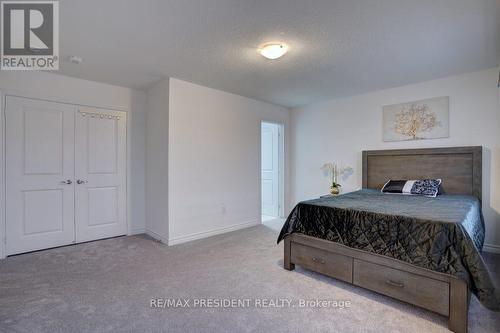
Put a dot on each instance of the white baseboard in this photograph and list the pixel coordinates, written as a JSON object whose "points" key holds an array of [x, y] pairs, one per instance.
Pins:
{"points": [[213, 232], [138, 231], [491, 248], [156, 236]]}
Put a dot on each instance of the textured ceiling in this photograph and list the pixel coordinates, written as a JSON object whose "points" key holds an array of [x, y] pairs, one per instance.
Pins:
{"points": [[338, 48]]}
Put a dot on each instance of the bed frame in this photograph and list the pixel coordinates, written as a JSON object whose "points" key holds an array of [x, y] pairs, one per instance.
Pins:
{"points": [[460, 168]]}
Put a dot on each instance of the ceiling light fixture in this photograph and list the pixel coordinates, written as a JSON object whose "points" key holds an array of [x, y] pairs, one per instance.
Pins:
{"points": [[273, 51]]}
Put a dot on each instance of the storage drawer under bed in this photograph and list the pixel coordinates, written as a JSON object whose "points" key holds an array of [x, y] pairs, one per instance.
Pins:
{"points": [[324, 262], [408, 287]]}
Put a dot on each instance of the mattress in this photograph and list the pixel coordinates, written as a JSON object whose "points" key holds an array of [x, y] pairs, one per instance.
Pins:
{"points": [[444, 234]]}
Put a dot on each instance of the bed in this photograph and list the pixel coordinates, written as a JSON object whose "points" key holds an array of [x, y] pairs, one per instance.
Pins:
{"points": [[424, 251]]}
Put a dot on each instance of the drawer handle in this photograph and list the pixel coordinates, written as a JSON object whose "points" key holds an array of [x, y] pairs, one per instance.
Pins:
{"points": [[321, 261], [395, 284]]}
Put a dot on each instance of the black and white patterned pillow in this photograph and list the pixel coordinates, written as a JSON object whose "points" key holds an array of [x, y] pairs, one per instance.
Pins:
{"points": [[426, 187]]}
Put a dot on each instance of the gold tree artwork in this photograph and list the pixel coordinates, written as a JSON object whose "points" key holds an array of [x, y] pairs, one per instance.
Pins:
{"points": [[415, 119]]}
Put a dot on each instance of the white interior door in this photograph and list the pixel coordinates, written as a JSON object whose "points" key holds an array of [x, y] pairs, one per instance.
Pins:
{"points": [[270, 169], [39, 174], [100, 173]]}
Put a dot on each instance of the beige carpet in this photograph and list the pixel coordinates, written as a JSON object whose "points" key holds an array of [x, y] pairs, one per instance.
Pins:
{"points": [[107, 286]]}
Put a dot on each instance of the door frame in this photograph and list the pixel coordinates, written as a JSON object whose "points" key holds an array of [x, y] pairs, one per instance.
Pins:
{"points": [[281, 166], [4, 93]]}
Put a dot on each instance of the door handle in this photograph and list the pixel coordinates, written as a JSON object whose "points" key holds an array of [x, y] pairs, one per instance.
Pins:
{"points": [[66, 182], [80, 182]]}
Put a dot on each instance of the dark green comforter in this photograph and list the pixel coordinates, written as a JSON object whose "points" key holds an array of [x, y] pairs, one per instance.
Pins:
{"points": [[444, 234]]}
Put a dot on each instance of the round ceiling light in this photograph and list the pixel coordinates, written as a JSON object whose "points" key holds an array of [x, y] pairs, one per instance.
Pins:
{"points": [[273, 51]]}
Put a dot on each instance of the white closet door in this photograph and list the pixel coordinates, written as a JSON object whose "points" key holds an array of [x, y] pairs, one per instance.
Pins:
{"points": [[39, 174], [100, 173]]}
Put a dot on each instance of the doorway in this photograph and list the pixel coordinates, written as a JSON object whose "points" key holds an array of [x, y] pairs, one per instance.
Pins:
{"points": [[272, 164]]}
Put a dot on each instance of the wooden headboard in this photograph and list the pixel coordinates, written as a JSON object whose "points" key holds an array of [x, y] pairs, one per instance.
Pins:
{"points": [[460, 168]]}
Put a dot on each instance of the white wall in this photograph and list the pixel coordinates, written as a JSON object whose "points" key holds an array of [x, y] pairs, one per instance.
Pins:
{"points": [[137, 151], [65, 89], [157, 161], [340, 129], [495, 169], [214, 160]]}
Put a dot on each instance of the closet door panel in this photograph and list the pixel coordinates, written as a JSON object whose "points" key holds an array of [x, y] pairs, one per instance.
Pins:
{"points": [[39, 174], [100, 167]]}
